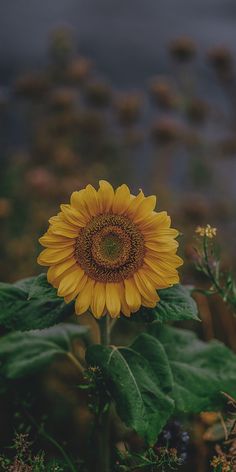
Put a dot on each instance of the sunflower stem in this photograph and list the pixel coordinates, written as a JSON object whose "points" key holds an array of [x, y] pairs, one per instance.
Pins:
{"points": [[104, 423], [104, 324]]}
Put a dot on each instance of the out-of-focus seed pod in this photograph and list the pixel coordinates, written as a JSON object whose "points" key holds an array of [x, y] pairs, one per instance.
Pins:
{"points": [[78, 70], [40, 179], [134, 137], [64, 158], [162, 93], [33, 86], [90, 122], [197, 110], [166, 131], [64, 123], [98, 93], [182, 49], [128, 108], [5, 207], [221, 59], [62, 98]]}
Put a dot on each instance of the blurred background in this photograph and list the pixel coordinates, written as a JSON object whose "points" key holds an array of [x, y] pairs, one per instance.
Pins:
{"points": [[136, 92]]}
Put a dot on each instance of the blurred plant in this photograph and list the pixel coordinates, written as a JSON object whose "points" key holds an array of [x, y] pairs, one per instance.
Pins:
{"points": [[209, 264], [183, 48], [162, 93], [25, 461], [160, 459], [220, 57], [128, 108], [98, 93], [166, 131], [225, 460]]}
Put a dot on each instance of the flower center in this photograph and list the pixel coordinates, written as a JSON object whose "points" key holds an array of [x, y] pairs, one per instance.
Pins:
{"points": [[110, 248]]}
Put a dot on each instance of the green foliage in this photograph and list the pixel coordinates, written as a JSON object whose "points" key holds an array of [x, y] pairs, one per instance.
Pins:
{"points": [[201, 371], [175, 304], [135, 387], [166, 370], [25, 353], [161, 459], [31, 303], [24, 460]]}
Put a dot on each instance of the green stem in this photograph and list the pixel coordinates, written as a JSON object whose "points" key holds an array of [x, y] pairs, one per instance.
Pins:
{"points": [[43, 433], [211, 276], [104, 423], [76, 362], [104, 325]]}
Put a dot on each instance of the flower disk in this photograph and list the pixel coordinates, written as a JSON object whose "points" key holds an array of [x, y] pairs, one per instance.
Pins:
{"points": [[110, 251]]}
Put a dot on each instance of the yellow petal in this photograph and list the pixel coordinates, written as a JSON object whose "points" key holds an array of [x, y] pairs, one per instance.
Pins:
{"points": [[145, 208], [155, 221], [72, 295], [161, 267], [113, 302], [56, 270], [52, 240], [91, 199], [166, 245], [152, 277], [170, 258], [124, 307], [70, 282], [53, 256], [84, 298], [134, 204], [105, 196], [72, 216], [121, 200], [78, 201], [64, 229], [99, 299], [132, 295], [146, 289], [148, 303]]}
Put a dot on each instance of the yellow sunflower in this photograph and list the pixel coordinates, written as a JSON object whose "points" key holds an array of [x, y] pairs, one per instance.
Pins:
{"points": [[110, 251]]}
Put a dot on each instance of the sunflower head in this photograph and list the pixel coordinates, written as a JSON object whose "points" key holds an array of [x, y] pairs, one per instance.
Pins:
{"points": [[110, 251]]}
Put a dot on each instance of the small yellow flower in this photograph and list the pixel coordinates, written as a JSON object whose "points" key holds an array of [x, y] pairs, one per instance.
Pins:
{"points": [[110, 251], [207, 231]]}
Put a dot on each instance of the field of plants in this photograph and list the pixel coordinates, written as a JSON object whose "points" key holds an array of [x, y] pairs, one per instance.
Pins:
{"points": [[118, 285]]}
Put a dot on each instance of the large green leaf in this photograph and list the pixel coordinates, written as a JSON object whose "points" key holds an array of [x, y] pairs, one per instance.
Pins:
{"points": [[163, 371], [175, 304], [31, 303], [201, 371], [135, 386], [25, 353]]}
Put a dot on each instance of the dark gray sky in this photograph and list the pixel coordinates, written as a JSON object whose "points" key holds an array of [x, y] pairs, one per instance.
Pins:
{"points": [[126, 37]]}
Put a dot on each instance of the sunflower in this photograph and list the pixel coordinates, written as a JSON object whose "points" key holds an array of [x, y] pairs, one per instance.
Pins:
{"points": [[110, 251]]}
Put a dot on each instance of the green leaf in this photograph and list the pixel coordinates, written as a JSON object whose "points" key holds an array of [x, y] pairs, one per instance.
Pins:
{"points": [[25, 353], [175, 304], [135, 385], [31, 303], [201, 371], [164, 371]]}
